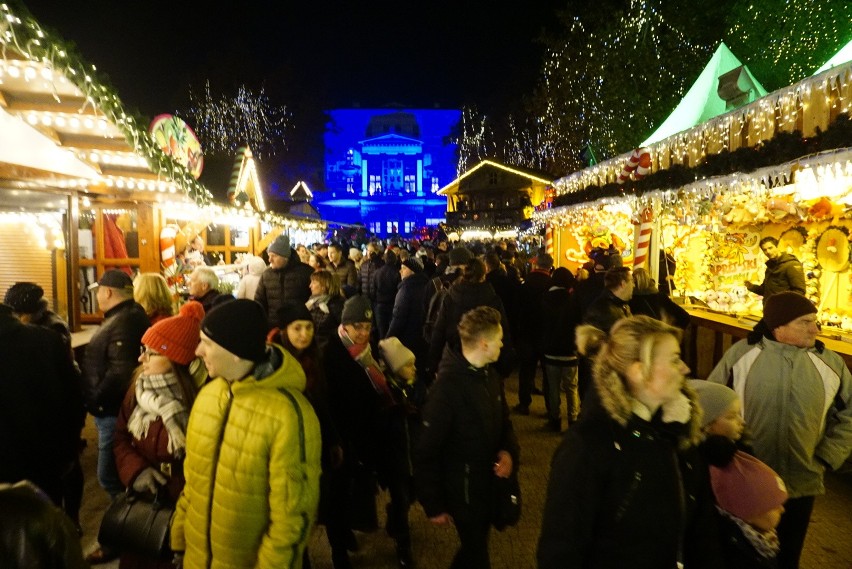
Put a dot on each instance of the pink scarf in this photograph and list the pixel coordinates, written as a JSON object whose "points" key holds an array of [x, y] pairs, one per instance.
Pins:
{"points": [[362, 353]]}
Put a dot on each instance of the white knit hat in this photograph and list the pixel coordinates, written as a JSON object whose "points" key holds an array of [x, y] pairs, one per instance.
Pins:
{"points": [[395, 354]]}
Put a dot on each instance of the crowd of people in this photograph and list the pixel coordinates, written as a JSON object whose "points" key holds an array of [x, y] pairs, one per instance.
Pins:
{"points": [[341, 370]]}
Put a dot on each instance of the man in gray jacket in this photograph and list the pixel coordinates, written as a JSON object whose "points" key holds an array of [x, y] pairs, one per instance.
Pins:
{"points": [[796, 396]]}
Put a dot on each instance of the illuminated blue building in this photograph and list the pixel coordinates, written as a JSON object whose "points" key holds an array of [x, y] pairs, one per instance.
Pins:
{"points": [[383, 168]]}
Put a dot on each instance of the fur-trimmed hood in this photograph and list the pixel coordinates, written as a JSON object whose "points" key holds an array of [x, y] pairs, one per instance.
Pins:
{"points": [[621, 407]]}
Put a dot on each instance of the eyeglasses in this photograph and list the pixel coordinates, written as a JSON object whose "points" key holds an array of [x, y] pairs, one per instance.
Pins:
{"points": [[147, 354]]}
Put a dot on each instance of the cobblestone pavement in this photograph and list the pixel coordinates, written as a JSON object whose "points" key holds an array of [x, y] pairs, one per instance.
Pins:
{"points": [[828, 545]]}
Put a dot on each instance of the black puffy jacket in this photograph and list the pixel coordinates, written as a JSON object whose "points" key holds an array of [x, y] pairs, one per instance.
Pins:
{"points": [[782, 274], [40, 409], [276, 286]]}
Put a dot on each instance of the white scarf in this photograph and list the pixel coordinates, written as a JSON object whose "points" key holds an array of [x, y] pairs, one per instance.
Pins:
{"points": [[160, 396]]}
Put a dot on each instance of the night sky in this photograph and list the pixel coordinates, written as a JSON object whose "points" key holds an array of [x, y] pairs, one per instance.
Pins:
{"points": [[334, 54], [310, 56]]}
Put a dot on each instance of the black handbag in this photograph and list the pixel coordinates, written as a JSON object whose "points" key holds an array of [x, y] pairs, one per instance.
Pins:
{"points": [[506, 502], [138, 523]]}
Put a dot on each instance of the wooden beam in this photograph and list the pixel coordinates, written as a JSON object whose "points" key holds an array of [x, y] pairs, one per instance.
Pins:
{"points": [[22, 102], [84, 142]]}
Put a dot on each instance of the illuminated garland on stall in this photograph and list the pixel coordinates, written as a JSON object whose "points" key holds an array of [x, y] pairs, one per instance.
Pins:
{"points": [[781, 148], [25, 36]]}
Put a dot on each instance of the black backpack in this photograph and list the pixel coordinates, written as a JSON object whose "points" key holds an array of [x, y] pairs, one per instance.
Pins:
{"points": [[436, 301]]}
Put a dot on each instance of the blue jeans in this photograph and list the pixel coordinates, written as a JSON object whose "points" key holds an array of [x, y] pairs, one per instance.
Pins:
{"points": [[107, 471]]}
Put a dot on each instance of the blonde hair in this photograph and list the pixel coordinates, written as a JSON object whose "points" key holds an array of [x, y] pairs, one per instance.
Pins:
{"points": [[644, 282], [328, 279], [631, 340], [477, 322], [152, 292]]}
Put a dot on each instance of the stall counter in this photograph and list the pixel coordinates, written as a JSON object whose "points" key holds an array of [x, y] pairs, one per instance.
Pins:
{"points": [[712, 333]]}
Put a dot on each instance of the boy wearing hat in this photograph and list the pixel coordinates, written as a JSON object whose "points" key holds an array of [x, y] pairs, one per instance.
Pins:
{"points": [[721, 409], [286, 278], [252, 450], [797, 401]]}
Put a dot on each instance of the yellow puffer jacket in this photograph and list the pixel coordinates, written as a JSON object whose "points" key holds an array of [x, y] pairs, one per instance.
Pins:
{"points": [[252, 473]]}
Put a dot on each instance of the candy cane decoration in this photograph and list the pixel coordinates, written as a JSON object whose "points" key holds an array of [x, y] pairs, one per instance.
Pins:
{"points": [[548, 240], [167, 250], [643, 237], [639, 164]]}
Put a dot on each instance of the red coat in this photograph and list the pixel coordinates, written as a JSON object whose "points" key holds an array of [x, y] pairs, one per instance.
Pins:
{"points": [[132, 456]]}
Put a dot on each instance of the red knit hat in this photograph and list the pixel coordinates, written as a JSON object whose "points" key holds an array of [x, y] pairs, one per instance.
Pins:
{"points": [[747, 488], [178, 336]]}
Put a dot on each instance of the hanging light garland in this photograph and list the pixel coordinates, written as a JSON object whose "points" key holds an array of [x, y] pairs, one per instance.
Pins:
{"points": [[23, 35]]}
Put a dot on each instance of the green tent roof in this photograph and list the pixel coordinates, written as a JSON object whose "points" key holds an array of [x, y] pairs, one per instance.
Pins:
{"points": [[701, 103], [841, 57]]}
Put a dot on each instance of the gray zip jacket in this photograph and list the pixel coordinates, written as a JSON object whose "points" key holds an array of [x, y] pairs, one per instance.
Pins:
{"points": [[796, 402]]}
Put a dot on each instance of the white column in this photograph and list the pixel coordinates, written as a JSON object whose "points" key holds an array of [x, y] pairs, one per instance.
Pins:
{"points": [[365, 178]]}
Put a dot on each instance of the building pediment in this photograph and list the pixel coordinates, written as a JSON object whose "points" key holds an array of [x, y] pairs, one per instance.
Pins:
{"points": [[386, 139]]}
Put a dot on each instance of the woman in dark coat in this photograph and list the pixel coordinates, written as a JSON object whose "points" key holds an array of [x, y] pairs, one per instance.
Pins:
{"points": [[296, 332], [627, 488], [150, 433], [466, 438], [325, 305], [651, 302]]}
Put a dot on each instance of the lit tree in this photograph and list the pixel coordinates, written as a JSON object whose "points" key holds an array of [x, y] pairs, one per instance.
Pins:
{"points": [[475, 140], [784, 41], [223, 123], [610, 76]]}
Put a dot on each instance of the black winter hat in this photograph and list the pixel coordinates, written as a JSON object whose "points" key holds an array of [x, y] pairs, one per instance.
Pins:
{"points": [[460, 256], [785, 307], [357, 309], [238, 326], [290, 312], [413, 263]]}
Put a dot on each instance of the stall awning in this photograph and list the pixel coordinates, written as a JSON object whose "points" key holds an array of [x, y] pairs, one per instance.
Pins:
{"points": [[701, 103], [22, 145], [839, 58]]}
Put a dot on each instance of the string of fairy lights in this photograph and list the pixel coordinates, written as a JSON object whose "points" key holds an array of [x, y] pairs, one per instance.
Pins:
{"points": [[641, 47], [781, 111], [23, 35], [784, 57]]}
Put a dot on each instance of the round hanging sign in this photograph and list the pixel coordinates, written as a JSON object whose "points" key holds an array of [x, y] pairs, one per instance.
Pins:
{"points": [[175, 138]]}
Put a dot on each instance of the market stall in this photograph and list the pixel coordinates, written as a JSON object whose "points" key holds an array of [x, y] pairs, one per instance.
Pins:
{"points": [[86, 186], [780, 166]]}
